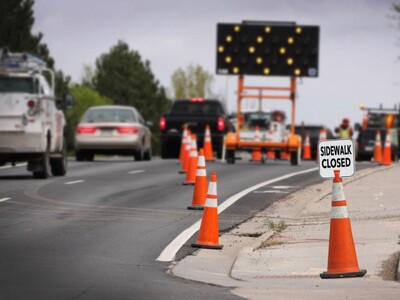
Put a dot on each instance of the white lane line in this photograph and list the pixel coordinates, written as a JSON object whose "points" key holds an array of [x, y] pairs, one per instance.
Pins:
{"points": [[169, 253], [73, 182], [4, 199], [9, 167], [271, 192], [283, 187], [135, 172]]}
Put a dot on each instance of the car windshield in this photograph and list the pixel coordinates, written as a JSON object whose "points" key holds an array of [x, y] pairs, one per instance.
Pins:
{"points": [[18, 85], [105, 115], [204, 108]]}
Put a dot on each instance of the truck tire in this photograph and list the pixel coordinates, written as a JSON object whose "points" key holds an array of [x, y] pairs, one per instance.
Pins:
{"points": [[44, 165], [59, 164]]}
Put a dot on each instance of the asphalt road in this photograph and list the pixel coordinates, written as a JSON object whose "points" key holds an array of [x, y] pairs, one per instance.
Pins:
{"points": [[96, 233]]}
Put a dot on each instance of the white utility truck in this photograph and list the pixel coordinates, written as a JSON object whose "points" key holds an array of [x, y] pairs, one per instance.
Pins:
{"points": [[32, 128]]}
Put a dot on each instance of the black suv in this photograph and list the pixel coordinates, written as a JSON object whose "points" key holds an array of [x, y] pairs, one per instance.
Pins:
{"points": [[366, 143]]}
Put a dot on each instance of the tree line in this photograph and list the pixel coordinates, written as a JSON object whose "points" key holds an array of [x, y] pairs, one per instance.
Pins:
{"points": [[121, 76]]}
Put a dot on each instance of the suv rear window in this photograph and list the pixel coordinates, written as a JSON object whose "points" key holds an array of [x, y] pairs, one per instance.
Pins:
{"points": [[204, 108]]}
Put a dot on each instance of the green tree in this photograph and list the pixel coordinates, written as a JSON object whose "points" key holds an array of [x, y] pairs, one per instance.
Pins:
{"points": [[16, 22], [192, 82], [126, 79], [85, 97]]}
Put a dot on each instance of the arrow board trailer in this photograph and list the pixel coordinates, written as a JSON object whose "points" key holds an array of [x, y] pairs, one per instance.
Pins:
{"points": [[336, 155]]}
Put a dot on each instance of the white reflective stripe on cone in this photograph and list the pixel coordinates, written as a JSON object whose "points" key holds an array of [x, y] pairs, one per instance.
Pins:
{"points": [[339, 212], [338, 192], [211, 203], [193, 153], [212, 188], [207, 139], [201, 162], [201, 172]]}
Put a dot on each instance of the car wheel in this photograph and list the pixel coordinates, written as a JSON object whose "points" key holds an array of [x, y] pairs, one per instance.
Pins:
{"points": [[79, 155], [139, 154], [59, 165], [148, 154], [44, 165], [89, 156]]}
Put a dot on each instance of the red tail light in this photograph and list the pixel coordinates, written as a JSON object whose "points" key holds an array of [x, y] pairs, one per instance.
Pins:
{"points": [[163, 123], [221, 124], [196, 99], [85, 130], [127, 130], [31, 103]]}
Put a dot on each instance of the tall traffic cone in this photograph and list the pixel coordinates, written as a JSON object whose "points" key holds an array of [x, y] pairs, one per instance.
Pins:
{"points": [[365, 121], [208, 235], [307, 148], [378, 147], [185, 163], [183, 143], [256, 153], [342, 258], [200, 184], [208, 150], [193, 156], [387, 150]]}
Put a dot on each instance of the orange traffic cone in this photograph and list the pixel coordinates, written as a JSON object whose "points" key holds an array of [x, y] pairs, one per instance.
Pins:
{"points": [[200, 185], [365, 121], [342, 258], [185, 163], [193, 156], [256, 153], [378, 147], [271, 153], [387, 150], [208, 150], [183, 143], [307, 148], [208, 235]]}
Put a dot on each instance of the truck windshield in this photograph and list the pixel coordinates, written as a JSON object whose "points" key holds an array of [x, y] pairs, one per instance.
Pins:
{"points": [[204, 108], [18, 85]]}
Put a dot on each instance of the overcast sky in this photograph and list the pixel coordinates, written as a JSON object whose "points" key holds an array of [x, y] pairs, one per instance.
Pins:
{"points": [[358, 60]]}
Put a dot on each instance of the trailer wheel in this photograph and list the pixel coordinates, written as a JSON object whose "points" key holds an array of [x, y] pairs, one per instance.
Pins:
{"points": [[295, 157], [230, 157]]}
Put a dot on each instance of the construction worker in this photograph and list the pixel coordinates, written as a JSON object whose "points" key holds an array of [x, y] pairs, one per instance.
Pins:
{"points": [[344, 130]]}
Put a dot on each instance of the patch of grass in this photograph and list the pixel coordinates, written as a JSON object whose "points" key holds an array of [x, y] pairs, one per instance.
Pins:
{"points": [[269, 243], [277, 227]]}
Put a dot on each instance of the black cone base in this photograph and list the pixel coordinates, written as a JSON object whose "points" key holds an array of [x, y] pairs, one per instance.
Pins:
{"points": [[326, 275], [217, 247]]}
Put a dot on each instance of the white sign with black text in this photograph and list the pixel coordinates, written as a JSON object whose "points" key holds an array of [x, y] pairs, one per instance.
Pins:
{"points": [[336, 155]]}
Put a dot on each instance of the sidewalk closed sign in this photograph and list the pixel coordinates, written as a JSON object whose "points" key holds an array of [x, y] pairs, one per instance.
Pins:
{"points": [[336, 155]]}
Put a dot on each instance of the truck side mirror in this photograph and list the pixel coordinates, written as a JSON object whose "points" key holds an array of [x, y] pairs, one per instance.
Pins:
{"points": [[69, 101]]}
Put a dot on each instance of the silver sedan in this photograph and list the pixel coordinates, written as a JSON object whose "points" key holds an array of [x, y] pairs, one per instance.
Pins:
{"points": [[112, 129]]}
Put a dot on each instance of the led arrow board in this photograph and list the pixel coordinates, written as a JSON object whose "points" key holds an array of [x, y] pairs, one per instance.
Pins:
{"points": [[336, 155], [269, 50]]}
